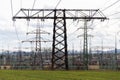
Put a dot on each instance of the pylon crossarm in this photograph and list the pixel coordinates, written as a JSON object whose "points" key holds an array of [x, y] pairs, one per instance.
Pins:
{"points": [[49, 14]]}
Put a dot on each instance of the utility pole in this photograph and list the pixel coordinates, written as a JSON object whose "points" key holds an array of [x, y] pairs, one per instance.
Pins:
{"points": [[59, 47]]}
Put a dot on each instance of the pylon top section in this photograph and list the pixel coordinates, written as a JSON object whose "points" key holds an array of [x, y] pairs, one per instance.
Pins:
{"points": [[49, 14]]}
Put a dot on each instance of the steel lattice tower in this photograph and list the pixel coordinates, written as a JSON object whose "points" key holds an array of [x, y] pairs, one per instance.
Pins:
{"points": [[59, 47], [37, 56], [59, 50], [85, 46]]}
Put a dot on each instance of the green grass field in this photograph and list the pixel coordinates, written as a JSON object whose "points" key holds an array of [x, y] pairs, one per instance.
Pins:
{"points": [[58, 75]]}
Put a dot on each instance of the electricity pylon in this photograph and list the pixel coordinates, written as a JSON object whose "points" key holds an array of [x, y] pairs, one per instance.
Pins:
{"points": [[37, 59], [59, 47]]}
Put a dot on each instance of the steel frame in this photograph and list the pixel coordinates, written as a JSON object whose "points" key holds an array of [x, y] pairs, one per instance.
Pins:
{"points": [[59, 47]]}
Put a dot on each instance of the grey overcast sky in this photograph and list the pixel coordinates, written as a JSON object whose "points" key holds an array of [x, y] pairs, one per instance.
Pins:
{"points": [[102, 30]]}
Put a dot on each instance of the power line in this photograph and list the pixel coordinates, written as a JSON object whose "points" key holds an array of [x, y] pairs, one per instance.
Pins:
{"points": [[71, 34], [33, 4], [21, 3], [75, 30], [58, 4], [16, 31], [30, 14], [13, 22], [104, 4], [11, 2], [111, 5], [114, 14]]}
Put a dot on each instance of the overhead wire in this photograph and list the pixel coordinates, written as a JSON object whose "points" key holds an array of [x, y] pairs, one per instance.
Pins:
{"points": [[20, 3], [104, 4], [76, 31], [16, 31], [33, 4], [110, 5], [114, 14], [101, 10], [73, 31], [89, 25], [58, 3], [30, 14], [11, 2]]}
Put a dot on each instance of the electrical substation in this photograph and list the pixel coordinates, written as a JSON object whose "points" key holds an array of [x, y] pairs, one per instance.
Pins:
{"points": [[58, 56]]}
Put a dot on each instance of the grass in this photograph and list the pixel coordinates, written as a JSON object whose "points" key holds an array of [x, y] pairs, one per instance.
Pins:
{"points": [[58, 75]]}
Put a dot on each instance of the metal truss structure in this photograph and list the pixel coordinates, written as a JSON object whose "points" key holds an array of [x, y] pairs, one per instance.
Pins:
{"points": [[37, 57], [59, 47]]}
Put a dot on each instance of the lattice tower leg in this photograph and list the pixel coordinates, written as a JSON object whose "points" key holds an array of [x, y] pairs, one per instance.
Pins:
{"points": [[59, 48]]}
